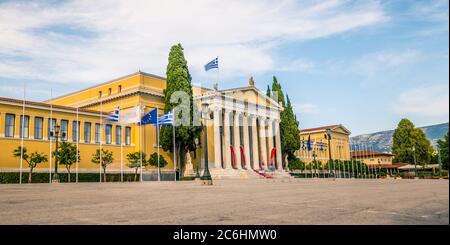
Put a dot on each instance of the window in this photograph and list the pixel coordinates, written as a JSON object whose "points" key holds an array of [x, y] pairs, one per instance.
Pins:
{"points": [[99, 94], [38, 127], [26, 126], [87, 132], [109, 91], [64, 129], [118, 135], [76, 131], [108, 131], [97, 133], [119, 89], [127, 136], [51, 126], [9, 125]]}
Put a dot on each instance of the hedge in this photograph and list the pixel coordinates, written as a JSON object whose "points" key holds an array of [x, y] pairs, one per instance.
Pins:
{"points": [[13, 177]]}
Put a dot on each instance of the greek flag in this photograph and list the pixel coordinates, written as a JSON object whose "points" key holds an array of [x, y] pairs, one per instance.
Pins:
{"points": [[166, 119], [113, 117], [212, 64]]}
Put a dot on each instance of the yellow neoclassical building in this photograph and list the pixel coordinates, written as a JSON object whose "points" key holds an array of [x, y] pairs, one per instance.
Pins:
{"points": [[242, 128], [319, 149]]}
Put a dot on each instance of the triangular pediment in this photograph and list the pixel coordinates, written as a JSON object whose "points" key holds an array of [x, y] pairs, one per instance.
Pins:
{"points": [[341, 129], [251, 95]]}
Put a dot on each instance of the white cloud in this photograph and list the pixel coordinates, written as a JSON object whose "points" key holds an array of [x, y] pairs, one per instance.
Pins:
{"points": [[424, 101], [85, 41], [374, 63], [306, 108]]}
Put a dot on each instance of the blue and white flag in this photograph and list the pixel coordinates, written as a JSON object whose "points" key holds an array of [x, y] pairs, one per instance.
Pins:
{"points": [[212, 64], [113, 117], [166, 119], [150, 118]]}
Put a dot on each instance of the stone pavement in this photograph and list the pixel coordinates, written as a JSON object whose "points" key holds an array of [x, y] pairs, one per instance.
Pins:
{"points": [[296, 201]]}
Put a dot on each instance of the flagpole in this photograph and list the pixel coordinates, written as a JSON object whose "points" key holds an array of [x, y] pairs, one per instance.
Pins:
{"points": [[121, 141], [49, 138], [174, 148], [21, 135], [100, 140], [77, 137], [140, 141], [157, 135]]}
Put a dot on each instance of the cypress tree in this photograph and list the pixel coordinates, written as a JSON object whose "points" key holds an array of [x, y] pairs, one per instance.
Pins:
{"points": [[178, 79], [289, 126]]}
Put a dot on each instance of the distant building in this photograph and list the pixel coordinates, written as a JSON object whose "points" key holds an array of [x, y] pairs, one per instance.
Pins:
{"points": [[340, 147], [373, 157]]}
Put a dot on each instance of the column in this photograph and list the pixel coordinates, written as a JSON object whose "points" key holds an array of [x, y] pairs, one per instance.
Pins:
{"points": [[269, 137], [262, 138], [226, 140], [246, 142], [237, 140], [278, 145], [255, 150], [217, 150]]}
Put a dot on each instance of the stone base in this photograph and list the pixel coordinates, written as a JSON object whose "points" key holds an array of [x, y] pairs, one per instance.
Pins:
{"points": [[246, 174]]}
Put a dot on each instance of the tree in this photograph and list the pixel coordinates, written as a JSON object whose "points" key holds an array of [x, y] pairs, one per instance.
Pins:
{"points": [[153, 160], [107, 159], [443, 149], [67, 155], [410, 142], [268, 93], [289, 126], [179, 81], [134, 161], [32, 160]]}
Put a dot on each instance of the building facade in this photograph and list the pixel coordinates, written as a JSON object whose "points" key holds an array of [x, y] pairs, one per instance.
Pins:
{"points": [[319, 148], [373, 158], [242, 134]]}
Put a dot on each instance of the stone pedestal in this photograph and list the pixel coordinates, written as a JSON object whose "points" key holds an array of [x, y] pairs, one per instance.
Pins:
{"points": [[189, 168]]}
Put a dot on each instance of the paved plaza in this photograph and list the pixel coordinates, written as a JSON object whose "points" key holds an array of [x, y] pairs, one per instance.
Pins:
{"points": [[295, 201]]}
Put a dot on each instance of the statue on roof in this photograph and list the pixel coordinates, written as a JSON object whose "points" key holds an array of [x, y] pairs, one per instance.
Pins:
{"points": [[251, 82], [216, 87]]}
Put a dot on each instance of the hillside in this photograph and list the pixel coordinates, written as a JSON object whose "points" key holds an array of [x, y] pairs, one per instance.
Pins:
{"points": [[382, 141]]}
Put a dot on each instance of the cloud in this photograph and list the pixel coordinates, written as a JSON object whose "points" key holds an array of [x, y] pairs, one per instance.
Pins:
{"points": [[306, 108], [82, 41], [296, 65], [429, 101], [374, 63]]}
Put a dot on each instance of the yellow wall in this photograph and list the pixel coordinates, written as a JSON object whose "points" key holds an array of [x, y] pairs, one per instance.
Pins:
{"points": [[7, 161], [340, 149], [376, 160]]}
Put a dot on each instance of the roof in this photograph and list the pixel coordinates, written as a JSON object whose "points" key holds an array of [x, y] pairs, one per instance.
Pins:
{"points": [[115, 80], [363, 153], [387, 166], [323, 128], [45, 105]]}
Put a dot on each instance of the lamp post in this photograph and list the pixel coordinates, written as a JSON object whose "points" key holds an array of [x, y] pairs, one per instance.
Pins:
{"points": [[439, 161], [207, 180], [330, 160], [55, 134], [415, 162]]}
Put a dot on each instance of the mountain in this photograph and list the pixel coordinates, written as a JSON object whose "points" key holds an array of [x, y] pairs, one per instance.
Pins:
{"points": [[382, 141]]}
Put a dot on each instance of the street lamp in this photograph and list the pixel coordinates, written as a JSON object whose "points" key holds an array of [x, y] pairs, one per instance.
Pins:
{"points": [[207, 180], [55, 134], [328, 137], [415, 162]]}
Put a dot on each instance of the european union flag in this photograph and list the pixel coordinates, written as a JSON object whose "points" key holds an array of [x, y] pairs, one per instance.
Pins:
{"points": [[308, 143], [212, 64], [150, 118]]}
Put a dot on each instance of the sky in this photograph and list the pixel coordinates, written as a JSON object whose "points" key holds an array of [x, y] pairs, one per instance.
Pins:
{"points": [[364, 64]]}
